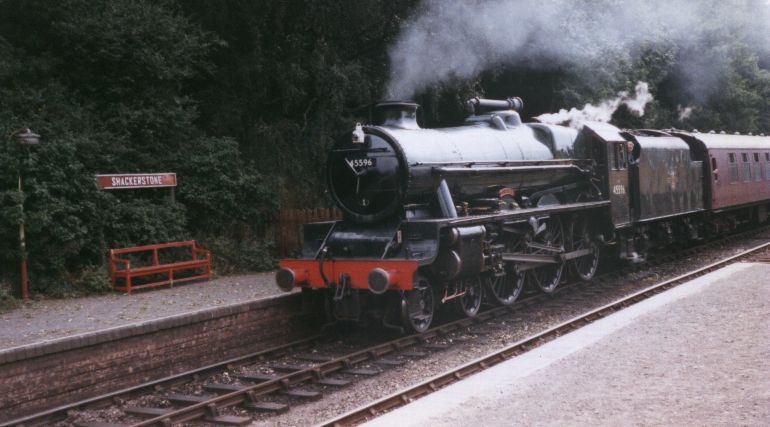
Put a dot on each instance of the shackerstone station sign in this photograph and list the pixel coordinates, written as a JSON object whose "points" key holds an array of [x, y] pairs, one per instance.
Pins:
{"points": [[139, 180]]}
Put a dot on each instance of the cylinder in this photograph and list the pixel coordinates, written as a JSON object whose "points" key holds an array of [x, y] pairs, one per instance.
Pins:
{"points": [[448, 265]]}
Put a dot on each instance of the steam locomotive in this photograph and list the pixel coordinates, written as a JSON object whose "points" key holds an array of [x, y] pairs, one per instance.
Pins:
{"points": [[447, 216]]}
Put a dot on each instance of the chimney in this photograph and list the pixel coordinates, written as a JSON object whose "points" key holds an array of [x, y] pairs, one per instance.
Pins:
{"points": [[396, 114]]}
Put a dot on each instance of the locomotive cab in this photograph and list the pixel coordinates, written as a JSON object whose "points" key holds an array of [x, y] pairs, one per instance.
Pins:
{"points": [[605, 144]]}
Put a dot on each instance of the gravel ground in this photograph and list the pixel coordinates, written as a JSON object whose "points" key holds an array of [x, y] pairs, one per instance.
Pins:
{"points": [[48, 319], [501, 332], [700, 360]]}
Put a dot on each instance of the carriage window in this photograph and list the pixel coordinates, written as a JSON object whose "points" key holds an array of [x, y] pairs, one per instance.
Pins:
{"points": [[714, 169], [620, 156], [733, 167], [767, 166], [757, 168], [746, 167]]}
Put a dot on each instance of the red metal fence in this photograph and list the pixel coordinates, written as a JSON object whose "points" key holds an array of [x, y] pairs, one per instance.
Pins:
{"points": [[288, 228]]}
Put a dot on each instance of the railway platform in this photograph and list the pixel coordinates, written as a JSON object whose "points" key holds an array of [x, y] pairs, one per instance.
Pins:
{"points": [[55, 352], [50, 319], [698, 354]]}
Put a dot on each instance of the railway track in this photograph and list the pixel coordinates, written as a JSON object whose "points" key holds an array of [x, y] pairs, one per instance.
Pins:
{"points": [[254, 381], [269, 383], [409, 394]]}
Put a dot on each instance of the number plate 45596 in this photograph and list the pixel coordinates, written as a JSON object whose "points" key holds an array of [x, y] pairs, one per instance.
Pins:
{"points": [[365, 162]]}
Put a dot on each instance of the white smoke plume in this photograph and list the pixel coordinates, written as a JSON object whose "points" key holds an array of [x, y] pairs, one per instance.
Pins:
{"points": [[684, 113], [460, 39], [604, 110]]}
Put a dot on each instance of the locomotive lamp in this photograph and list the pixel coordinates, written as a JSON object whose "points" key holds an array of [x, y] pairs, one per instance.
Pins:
{"points": [[26, 138], [358, 135]]}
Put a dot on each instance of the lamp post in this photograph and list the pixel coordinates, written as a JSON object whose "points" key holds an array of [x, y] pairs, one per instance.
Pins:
{"points": [[24, 137]]}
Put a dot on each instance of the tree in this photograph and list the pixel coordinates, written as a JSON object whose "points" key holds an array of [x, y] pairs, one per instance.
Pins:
{"points": [[105, 84]]}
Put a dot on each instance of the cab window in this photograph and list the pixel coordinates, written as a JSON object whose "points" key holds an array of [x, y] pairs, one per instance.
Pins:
{"points": [[620, 159]]}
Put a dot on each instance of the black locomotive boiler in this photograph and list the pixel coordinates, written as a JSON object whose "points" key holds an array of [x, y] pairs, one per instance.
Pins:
{"points": [[447, 216]]}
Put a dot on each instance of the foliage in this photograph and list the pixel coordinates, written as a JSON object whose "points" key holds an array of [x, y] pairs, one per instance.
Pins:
{"points": [[105, 84], [7, 300], [291, 75], [235, 254], [219, 189], [90, 280], [94, 280]]}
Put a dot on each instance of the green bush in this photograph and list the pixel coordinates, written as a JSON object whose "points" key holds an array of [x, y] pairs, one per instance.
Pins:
{"points": [[219, 189], [7, 300], [89, 280], [94, 280], [231, 255]]}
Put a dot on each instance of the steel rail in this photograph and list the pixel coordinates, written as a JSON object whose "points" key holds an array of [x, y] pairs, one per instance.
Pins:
{"points": [[321, 370], [59, 412], [407, 395]]}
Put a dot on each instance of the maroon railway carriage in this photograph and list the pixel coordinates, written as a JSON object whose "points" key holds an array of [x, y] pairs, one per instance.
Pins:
{"points": [[739, 169]]}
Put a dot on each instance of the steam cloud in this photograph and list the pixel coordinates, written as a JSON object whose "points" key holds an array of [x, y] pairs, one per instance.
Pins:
{"points": [[684, 113], [602, 112], [459, 39]]}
